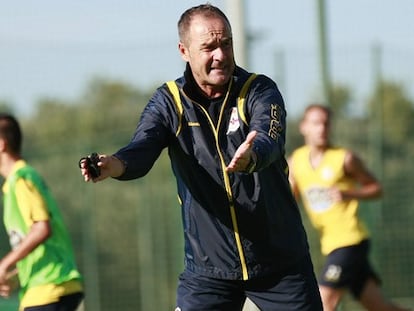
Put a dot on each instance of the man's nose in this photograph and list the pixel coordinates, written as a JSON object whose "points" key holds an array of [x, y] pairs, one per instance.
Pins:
{"points": [[219, 53]]}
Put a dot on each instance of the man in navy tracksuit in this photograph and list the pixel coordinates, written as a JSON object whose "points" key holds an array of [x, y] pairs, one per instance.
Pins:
{"points": [[225, 133]]}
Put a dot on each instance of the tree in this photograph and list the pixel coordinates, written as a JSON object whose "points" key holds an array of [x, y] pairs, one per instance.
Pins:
{"points": [[392, 108], [341, 97], [6, 106]]}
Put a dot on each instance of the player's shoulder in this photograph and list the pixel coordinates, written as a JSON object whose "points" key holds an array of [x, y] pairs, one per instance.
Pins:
{"points": [[297, 157], [27, 171], [300, 151], [338, 151]]}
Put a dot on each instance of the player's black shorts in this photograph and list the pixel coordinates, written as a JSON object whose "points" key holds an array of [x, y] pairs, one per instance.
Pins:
{"points": [[67, 303], [295, 290], [348, 267]]}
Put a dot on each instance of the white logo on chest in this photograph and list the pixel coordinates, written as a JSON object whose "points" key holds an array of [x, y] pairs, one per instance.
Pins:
{"points": [[234, 122], [327, 173]]}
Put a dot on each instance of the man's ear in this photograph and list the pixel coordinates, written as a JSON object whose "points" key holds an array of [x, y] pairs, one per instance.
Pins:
{"points": [[183, 51]]}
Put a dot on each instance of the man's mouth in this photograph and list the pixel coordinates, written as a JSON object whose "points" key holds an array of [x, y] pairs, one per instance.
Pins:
{"points": [[218, 69]]}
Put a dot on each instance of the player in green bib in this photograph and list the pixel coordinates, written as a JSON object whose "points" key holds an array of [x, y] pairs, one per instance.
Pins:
{"points": [[41, 251]]}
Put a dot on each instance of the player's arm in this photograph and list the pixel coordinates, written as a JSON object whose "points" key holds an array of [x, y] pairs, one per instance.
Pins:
{"points": [[292, 181], [38, 233], [369, 186], [34, 211]]}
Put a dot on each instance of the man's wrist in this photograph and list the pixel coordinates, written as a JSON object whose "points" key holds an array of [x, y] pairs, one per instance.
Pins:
{"points": [[120, 166]]}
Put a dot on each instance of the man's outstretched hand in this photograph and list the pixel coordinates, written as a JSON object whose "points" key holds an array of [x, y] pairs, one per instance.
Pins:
{"points": [[243, 155]]}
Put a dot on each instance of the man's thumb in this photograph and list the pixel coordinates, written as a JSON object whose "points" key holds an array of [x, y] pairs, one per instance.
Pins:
{"points": [[250, 138]]}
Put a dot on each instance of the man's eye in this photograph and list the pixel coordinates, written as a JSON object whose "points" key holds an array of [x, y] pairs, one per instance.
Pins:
{"points": [[207, 48], [226, 45]]}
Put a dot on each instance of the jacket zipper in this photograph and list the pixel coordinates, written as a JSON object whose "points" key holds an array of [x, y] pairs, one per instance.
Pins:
{"points": [[227, 181]]}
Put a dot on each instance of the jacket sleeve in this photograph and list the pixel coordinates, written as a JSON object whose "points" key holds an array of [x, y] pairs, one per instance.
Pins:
{"points": [[151, 136], [266, 109]]}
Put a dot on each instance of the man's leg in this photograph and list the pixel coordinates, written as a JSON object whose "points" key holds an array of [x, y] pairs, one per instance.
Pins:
{"points": [[197, 293], [372, 298], [345, 268], [295, 290], [330, 297]]}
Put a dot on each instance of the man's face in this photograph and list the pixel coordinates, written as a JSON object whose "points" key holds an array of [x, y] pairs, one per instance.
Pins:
{"points": [[315, 128], [208, 49]]}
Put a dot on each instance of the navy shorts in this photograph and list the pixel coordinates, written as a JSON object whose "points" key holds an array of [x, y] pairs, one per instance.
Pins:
{"points": [[348, 267], [295, 290]]}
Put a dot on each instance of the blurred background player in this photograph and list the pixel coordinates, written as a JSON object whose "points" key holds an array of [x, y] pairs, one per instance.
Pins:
{"points": [[41, 248], [330, 181]]}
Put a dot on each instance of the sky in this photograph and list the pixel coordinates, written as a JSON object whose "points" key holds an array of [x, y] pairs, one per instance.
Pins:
{"points": [[53, 49]]}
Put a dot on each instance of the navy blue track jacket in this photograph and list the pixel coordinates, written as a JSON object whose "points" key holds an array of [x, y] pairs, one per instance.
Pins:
{"points": [[237, 226]]}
